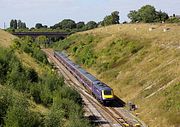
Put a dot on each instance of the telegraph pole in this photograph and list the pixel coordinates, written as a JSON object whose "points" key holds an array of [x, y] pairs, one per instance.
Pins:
{"points": [[4, 25]]}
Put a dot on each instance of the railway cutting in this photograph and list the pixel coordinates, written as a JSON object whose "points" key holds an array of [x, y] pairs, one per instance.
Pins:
{"points": [[101, 115]]}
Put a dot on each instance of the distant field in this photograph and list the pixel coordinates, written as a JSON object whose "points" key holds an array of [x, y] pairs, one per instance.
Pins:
{"points": [[5, 38], [141, 62]]}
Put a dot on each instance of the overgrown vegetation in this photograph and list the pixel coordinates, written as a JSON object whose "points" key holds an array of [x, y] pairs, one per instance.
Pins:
{"points": [[84, 53], [29, 46], [171, 105], [21, 86]]}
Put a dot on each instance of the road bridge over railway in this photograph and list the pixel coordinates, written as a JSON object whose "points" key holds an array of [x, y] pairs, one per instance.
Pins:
{"points": [[49, 35]]}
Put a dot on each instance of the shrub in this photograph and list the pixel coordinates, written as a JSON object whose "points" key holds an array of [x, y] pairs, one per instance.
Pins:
{"points": [[18, 114], [54, 118], [28, 46], [79, 123], [14, 110], [70, 94], [5, 101]]}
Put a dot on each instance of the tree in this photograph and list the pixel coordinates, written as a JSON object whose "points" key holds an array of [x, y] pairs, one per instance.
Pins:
{"points": [[80, 25], [91, 25], [38, 26], [23, 25], [133, 15], [19, 24], [107, 20], [162, 16], [147, 13], [13, 24], [115, 17], [67, 24], [111, 19]]}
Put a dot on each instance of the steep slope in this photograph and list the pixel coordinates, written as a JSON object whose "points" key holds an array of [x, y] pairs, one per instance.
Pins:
{"points": [[141, 62], [31, 92], [5, 38]]}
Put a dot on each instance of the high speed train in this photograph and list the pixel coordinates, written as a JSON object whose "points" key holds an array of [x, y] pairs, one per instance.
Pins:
{"points": [[98, 89]]}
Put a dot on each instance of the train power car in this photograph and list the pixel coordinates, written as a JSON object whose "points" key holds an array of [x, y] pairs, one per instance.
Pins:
{"points": [[98, 89]]}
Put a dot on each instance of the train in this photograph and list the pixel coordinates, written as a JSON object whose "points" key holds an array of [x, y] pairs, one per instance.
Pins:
{"points": [[102, 92]]}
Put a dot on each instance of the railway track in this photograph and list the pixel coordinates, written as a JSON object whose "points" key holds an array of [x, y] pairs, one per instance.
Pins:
{"points": [[110, 117]]}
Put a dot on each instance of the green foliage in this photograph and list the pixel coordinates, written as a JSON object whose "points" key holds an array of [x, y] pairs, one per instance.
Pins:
{"points": [[63, 44], [41, 40], [21, 25], [111, 19], [13, 24], [67, 24], [90, 25], [54, 118], [17, 24], [147, 14], [173, 20], [80, 25], [79, 123], [48, 89], [85, 55], [5, 56], [27, 45], [122, 49], [134, 16], [171, 105], [14, 110], [18, 115], [66, 92], [38, 26], [5, 101]]}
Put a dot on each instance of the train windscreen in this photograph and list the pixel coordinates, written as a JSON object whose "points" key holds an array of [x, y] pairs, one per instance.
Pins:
{"points": [[107, 92]]}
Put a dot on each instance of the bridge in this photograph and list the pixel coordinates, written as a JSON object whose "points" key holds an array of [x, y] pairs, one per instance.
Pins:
{"points": [[49, 35]]}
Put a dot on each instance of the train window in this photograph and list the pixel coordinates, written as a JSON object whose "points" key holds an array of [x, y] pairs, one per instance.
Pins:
{"points": [[107, 92]]}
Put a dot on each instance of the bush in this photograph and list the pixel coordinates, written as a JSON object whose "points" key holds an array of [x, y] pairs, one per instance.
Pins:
{"points": [[79, 123], [5, 101], [14, 110], [70, 108], [70, 94], [18, 115], [54, 118], [28, 46]]}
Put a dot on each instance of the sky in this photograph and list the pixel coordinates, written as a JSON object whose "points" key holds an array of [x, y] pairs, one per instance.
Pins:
{"points": [[50, 12]]}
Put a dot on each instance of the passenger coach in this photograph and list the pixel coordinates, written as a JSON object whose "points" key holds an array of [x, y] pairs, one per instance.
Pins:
{"points": [[98, 89]]}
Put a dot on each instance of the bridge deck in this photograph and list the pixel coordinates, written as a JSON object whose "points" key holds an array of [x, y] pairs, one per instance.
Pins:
{"points": [[35, 34]]}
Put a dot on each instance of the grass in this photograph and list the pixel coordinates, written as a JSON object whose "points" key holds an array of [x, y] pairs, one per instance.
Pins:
{"points": [[28, 61], [5, 38], [140, 65]]}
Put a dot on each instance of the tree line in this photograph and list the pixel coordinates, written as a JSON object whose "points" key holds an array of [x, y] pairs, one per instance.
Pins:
{"points": [[146, 14], [17, 24]]}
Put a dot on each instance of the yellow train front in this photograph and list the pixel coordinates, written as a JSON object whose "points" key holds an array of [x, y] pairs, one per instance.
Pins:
{"points": [[103, 92]]}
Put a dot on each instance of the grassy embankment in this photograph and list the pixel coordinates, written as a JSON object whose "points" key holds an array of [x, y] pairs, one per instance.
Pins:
{"points": [[31, 94], [6, 40], [141, 65]]}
